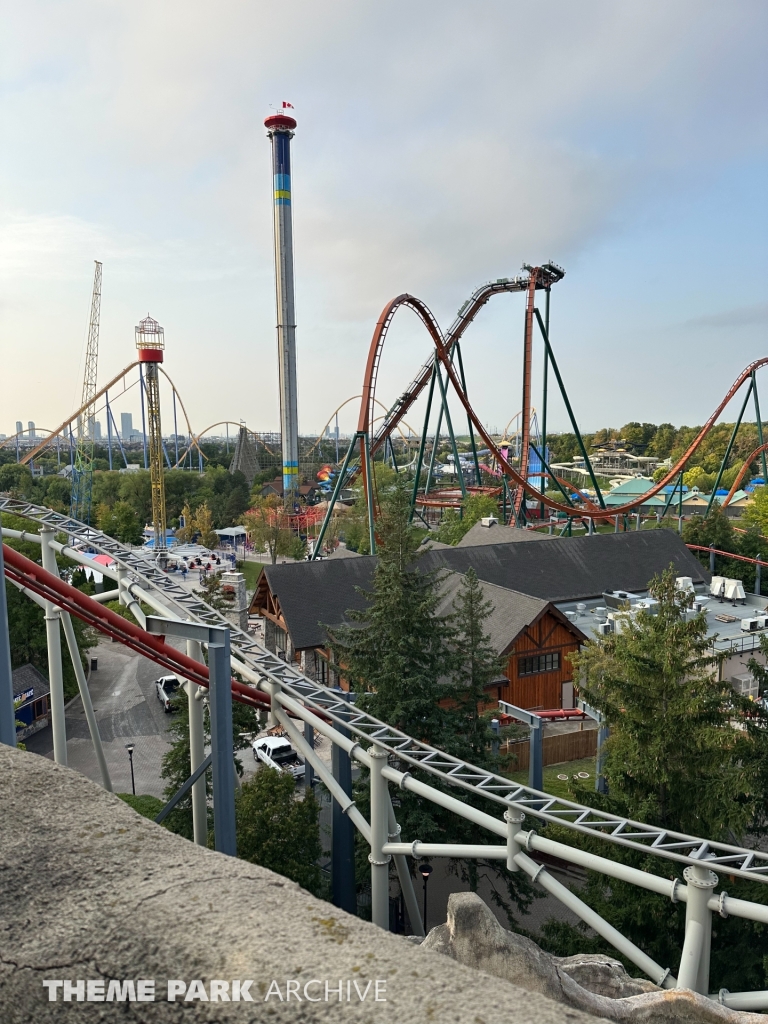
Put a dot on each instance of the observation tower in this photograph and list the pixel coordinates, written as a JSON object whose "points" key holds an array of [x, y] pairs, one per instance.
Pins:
{"points": [[280, 128], [150, 341]]}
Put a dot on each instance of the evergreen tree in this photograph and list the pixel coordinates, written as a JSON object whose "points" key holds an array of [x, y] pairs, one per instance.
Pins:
{"points": [[477, 664], [671, 718], [278, 831], [401, 659], [685, 752], [397, 655]]}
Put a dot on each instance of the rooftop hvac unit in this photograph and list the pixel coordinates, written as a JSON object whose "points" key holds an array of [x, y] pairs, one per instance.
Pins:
{"points": [[571, 615], [734, 591], [717, 586], [746, 685], [581, 608], [600, 613], [755, 623], [604, 628], [489, 520], [684, 583], [619, 598]]}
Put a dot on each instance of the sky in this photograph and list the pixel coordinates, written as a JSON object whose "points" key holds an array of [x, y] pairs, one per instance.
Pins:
{"points": [[439, 145]]}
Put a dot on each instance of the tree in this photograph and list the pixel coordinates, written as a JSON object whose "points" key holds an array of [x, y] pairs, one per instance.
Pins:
{"points": [[756, 512], [121, 522], [204, 526], [656, 684], [398, 650], [686, 753], [400, 658], [278, 831], [268, 527], [185, 533], [476, 507], [476, 665]]}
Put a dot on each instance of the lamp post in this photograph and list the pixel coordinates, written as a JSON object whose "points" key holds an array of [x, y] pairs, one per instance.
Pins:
{"points": [[130, 748], [426, 871]]}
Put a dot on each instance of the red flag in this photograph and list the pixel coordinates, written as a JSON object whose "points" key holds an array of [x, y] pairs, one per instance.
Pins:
{"points": [[287, 105]]}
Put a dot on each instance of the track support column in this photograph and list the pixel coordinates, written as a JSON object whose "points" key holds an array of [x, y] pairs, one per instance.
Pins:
{"points": [[694, 963], [536, 756], [7, 710], [221, 743], [55, 671], [514, 819], [343, 889], [197, 750], [379, 861]]}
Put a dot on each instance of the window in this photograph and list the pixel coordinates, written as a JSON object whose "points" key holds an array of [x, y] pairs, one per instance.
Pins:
{"points": [[321, 669], [280, 639], [538, 663]]}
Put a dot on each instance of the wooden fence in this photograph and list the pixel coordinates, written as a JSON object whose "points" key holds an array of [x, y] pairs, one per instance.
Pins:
{"points": [[565, 746]]}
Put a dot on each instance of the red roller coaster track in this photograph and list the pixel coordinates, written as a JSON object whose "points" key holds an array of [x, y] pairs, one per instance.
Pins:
{"points": [[28, 574], [443, 349]]}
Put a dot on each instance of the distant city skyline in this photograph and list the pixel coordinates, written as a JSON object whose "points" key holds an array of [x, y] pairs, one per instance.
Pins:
{"points": [[625, 142]]}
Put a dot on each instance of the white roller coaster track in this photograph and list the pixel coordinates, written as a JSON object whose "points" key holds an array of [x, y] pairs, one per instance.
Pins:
{"points": [[259, 665]]}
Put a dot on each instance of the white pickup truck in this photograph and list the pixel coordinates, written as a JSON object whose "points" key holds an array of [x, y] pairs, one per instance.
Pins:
{"points": [[276, 752], [167, 688]]}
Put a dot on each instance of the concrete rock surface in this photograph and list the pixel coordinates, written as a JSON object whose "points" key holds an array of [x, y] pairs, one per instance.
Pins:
{"points": [[596, 984], [91, 891]]}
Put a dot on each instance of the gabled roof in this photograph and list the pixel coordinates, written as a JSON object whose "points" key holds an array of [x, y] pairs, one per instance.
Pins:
{"points": [[575, 568], [316, 594], [496, 534], [512, 611]]}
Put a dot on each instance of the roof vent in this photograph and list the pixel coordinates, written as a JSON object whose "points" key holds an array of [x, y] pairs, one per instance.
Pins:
{"points": [[489, 521]]}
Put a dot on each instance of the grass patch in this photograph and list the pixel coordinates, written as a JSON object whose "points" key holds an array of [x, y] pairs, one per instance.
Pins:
{"points": [[146, 806], [560, 787], [251, 571]]}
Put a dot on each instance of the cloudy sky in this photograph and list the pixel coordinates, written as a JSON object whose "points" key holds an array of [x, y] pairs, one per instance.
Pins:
{"points": [[439, 144]]}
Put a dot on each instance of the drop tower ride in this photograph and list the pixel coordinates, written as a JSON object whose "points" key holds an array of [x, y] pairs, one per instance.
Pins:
{"points": [[280, 128]]}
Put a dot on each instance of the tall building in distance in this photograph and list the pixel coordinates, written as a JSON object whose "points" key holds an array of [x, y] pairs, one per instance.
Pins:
{"points": [[96, 430], [280, 129], [19, 427], [31, 427], [126, 425]]}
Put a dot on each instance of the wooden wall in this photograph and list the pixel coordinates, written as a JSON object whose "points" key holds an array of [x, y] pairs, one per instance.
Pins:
{"points": [[542, 691], [557, 749]]}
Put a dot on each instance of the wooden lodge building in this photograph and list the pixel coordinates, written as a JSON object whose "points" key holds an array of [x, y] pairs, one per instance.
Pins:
{"points": [[525, 582]]}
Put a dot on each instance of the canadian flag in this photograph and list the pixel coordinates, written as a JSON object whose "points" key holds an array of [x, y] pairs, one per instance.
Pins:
{"points": [[285, 105]]}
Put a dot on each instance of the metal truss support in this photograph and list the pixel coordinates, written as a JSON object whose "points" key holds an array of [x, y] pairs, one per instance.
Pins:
{"points": [[343, 888], [729, 449], [452, 436], [337, 488], [759, 423], [423, 441], [379, 836], [309, 739], [544, 395], [404, 875], [85, 697], [196, 712], [143, 417], [7, 710], [470, 427], [55, 671], [535, 744], [694, 963], [564, 393], [220, 703], [365, 451]]}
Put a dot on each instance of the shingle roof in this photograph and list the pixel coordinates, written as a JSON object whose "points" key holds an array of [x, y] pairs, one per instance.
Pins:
{"points": [[496, 534], [511, 613], [27, 677], [315, 593], [575, 568], [524, 576]]}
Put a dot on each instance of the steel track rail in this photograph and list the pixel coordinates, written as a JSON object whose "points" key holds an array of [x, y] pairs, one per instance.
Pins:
{"points": [[452, 771]]}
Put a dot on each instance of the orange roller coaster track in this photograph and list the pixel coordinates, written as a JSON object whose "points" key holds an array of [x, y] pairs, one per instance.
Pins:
{"points": [[538, 279]]}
